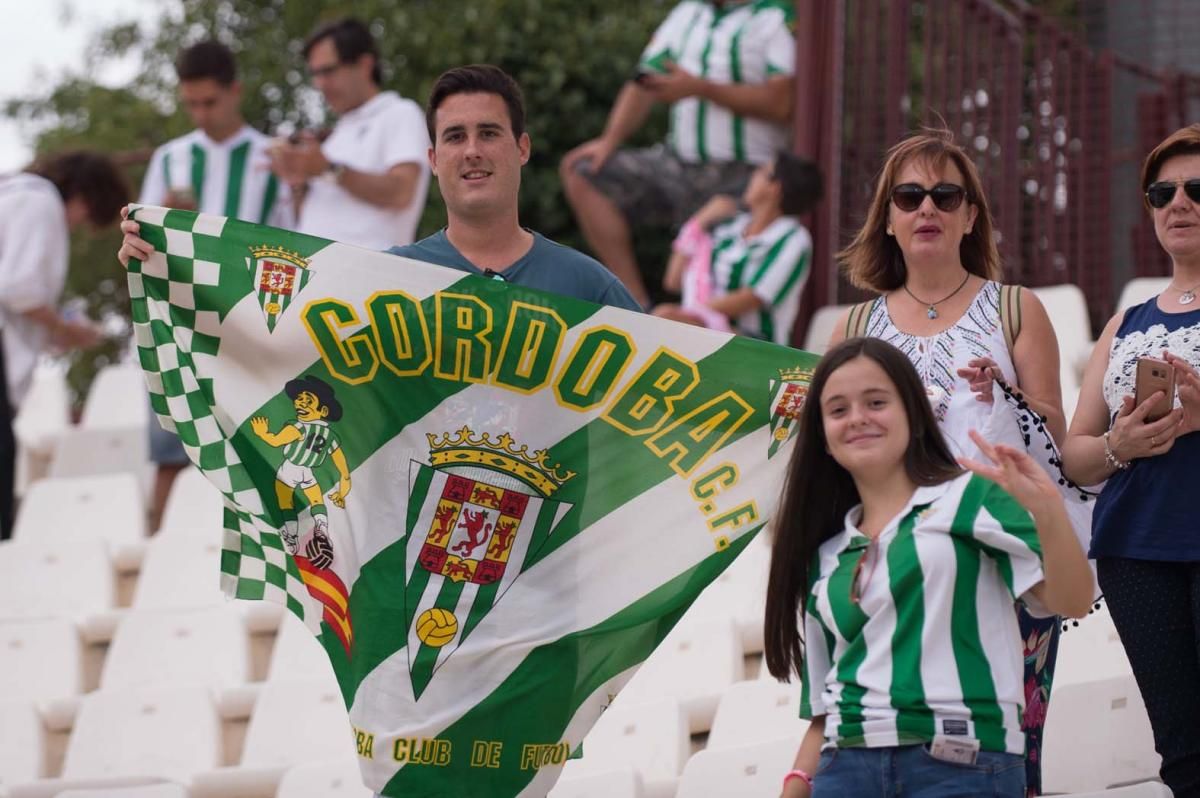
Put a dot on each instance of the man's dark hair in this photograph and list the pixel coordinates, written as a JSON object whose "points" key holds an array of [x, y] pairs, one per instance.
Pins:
{"points": [[481, 79], [210, 59], [89, 175], [352, 40], [800, 181]]}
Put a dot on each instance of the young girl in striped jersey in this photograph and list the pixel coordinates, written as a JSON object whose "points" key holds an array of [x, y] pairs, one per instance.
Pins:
{"points": [[904, 568]]}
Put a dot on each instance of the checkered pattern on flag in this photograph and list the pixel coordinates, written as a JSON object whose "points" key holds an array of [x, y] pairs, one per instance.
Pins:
{"points": [[511, 500]]}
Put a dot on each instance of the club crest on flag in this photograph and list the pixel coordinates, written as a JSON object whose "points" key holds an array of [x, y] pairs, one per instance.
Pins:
{"points": [[486, 508], [279, 275], [787, 400]]}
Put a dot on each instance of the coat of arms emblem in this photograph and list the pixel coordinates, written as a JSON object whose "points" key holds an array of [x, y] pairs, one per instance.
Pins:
{"points": [[279, 275], [479, 513]]}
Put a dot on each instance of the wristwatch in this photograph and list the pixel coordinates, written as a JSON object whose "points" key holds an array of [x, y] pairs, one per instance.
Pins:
{"points": [[335, 170]]}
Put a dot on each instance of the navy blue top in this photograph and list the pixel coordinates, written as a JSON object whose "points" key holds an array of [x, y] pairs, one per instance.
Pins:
{"points": [[547, 266], [1149, 511]]}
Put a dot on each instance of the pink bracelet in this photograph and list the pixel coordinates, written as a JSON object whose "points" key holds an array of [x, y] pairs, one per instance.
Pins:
{"points": [[797, 774]]}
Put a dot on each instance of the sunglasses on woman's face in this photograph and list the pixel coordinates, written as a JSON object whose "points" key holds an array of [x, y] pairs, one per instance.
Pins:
{"points": [[946, 196], [1160, 194]]}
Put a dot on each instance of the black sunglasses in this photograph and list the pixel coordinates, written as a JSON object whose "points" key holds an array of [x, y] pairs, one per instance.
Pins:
{"points": [[946, 196], [1160, 194]]}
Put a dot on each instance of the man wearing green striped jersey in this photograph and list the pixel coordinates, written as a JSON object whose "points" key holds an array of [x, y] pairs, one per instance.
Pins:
{"points": [[904, 569], [218, 168], [725, 69], [750, 267], [307, 443]]}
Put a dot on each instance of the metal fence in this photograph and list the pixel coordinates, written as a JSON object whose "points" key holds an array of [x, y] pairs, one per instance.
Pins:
{"points": [[1058, 110]]}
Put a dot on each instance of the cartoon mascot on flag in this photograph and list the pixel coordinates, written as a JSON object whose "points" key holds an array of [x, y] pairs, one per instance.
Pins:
{"points": [[307, 442]]}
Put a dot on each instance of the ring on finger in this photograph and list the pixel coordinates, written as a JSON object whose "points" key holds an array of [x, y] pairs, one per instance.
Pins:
{"points": [[1153, 440]]}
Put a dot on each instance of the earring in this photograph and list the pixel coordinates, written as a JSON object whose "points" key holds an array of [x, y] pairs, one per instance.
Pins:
{"points": [[889, 230]]}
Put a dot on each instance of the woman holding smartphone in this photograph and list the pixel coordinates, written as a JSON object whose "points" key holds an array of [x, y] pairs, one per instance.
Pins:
{"points": [[1146, 533], [903, 569], [985, 351]]}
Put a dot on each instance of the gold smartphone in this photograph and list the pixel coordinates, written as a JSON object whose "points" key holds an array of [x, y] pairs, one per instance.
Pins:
{"points": [[1154, 375]]}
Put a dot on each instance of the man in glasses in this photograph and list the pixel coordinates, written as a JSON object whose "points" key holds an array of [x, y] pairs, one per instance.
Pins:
{"points": [[366, 183]]}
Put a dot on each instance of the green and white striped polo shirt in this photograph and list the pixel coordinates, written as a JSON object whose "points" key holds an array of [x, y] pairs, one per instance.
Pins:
{"points": [[315, 443], [227, 178], [742, 43], [933, 646], [774, 263]]}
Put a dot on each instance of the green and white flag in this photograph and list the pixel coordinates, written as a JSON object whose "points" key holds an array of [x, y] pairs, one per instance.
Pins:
{"points": [[489, 502]]}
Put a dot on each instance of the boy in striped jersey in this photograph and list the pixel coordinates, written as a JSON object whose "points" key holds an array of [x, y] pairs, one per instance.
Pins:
{"points": [[754, 263], [904, 570], [307, 443], [725, 69]]}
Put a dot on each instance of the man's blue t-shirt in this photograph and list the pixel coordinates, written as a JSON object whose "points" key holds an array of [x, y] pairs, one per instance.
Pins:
{"points": [[547, 266]]}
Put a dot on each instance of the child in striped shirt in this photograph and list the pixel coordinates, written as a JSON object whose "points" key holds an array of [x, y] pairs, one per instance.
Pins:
{"points": [[904, 568], [746, 270]]}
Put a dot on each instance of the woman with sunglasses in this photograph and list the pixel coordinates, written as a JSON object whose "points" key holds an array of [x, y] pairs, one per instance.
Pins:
{"points": [[1145, 533], [904, 569], [987, 353]]}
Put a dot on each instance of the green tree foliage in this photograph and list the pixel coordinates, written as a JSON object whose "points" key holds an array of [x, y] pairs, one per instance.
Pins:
{"points": [[570, 57]]}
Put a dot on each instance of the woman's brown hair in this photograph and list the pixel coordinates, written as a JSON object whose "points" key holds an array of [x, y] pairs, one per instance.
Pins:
{"points": [[819, 492], [1185, 141], [874, 261]]}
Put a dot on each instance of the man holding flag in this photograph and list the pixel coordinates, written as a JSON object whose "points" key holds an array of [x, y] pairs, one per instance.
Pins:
{"points": [[542, 485]]}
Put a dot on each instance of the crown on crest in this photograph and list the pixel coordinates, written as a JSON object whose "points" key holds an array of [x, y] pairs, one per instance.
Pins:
{"points": [[796, 374], [270, 251], [501, 454]]}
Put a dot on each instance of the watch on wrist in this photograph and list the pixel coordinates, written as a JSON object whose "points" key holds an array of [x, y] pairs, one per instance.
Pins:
{"points": [[335, 170]]}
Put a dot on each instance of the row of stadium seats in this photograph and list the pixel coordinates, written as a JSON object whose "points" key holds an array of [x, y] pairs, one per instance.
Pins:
{"points": [[116, 645]]}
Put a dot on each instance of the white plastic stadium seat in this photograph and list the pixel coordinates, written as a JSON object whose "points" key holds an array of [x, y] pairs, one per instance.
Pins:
{"points": [[84, 452], [650, 737], [39, 659], [108, 506], [750, 771], [757, 711], [194, 505], [338, 778], [1067, 308], [611, 784], [1139, 289], [117, 399], [206, 647], [820, 328], [1146, 789], [45, 578], [148, 791], [22, 743], [740, 593], [1091, 651], [297, 722], [694, 665], [180, 571], [44, 416], [298, 654], [1097, 735], [163, 732]]}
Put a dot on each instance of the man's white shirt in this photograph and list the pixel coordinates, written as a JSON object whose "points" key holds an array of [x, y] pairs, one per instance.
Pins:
{"points": [[383, 132], [34, 242]]}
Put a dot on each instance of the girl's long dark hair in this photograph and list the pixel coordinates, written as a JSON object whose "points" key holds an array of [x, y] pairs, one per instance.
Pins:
{"points": [[819, 492]]}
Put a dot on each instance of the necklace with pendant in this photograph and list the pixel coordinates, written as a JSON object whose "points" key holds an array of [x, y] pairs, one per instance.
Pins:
{"points": [[931, 307], [1187, 296]]}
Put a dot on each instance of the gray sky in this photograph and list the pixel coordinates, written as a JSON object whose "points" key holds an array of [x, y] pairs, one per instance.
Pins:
{"points": [[47, 42]]}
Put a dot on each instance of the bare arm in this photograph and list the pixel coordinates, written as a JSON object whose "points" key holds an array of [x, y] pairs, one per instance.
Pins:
{"points": [[260, 426], [1130, 436], [771, 101], [740, 301], [839, 330], [673, 277], [807, 758], [395, 188], [1035, 358], [628, 114]]}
